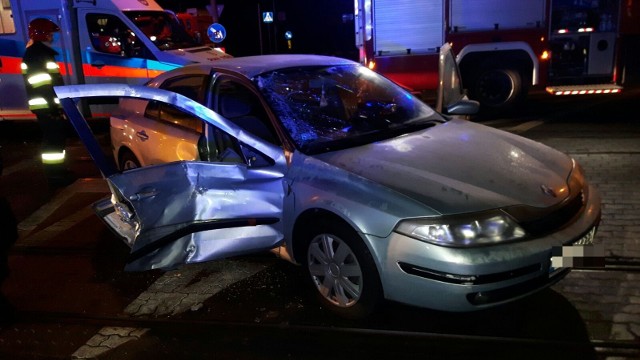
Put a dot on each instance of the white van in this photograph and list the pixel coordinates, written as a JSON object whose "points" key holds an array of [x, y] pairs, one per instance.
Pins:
{"points": [[100, 41]]}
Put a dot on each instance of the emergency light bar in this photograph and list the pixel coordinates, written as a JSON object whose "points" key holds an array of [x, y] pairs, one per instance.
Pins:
{"points": [[580, 30], [584, 89]]}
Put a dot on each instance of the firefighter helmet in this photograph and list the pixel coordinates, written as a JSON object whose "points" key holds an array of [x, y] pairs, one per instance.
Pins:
{"points": [[40, 29]]}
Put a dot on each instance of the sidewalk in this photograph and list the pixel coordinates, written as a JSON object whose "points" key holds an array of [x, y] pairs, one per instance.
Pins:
{"points": [[609, 302]]}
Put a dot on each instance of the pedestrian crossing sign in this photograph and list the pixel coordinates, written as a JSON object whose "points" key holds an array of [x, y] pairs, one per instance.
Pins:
{"points": [[267, 17]]}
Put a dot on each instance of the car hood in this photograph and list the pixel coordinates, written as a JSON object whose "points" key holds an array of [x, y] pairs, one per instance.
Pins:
{"points": [[461, 166], [203, 54]]}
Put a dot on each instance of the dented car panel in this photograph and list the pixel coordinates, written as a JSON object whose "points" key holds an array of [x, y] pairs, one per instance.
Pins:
{"points": [[184, 192], [166, 213], [199, 196]]}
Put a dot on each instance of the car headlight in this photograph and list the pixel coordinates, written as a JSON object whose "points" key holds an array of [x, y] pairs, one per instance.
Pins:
{"points": [[457, 231]]}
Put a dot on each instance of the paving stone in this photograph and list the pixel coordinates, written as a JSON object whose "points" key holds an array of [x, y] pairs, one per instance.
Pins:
{"points": [[621, 332]]}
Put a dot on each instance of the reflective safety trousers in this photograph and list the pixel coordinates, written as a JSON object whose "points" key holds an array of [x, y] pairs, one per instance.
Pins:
{"points": [[53, 127]]}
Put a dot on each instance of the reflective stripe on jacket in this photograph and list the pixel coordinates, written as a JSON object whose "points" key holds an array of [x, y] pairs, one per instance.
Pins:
{"points": [[41, 74]]}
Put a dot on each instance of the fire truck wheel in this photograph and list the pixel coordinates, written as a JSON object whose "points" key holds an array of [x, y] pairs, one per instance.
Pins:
{"points": [[128, 161], [497, 88]]}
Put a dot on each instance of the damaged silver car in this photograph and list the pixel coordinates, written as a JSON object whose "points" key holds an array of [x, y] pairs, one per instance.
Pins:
{"points": [[373, 193]]}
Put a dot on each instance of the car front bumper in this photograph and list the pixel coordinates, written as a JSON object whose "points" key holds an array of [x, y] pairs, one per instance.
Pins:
{"points": [[466, 279]]}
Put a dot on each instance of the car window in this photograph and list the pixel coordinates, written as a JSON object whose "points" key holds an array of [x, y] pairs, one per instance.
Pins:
{"points": [[222, 147], [218, 146], [171, 115], [241, 106], [191, 86]]}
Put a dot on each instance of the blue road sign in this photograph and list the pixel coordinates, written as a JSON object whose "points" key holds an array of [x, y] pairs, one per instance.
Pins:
{"points": [[216, 33], [267, 17]]}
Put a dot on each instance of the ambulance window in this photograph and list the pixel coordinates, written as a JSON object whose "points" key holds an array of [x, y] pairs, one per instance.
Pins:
{"points": [[163, 29], [110, 35], [7, 25]]}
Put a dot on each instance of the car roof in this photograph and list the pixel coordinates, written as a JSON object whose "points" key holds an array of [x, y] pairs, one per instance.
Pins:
{"points": [[250, 66]]}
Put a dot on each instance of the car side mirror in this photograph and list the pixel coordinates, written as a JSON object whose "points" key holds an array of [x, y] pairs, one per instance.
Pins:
{"points": [[451, 98], [463, 107]]}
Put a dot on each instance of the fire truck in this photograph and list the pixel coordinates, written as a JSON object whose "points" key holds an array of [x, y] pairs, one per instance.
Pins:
{"points": [[504, 48], [99, 41]]}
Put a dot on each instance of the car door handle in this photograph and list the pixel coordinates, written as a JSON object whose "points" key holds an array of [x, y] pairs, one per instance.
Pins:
{"points": [[142, 135], [98, 64], [147, 193]]}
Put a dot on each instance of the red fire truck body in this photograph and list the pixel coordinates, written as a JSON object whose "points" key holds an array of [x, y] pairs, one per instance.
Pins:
{"points": [[567, 47]]}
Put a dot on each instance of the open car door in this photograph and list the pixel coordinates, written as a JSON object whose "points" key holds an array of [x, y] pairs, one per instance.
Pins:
{"points": [[451, 98], [186, 211]]}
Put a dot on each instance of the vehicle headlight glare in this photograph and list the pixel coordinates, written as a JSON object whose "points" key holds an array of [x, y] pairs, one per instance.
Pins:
{"points": [[436, 233], [467, 231], [459, 231]]}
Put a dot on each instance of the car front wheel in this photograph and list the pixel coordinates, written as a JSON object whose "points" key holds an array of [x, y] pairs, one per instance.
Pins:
{"points": [[341, 270]]}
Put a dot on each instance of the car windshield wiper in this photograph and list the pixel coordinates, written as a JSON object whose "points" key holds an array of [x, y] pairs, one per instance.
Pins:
{"points": [[421, 123]]}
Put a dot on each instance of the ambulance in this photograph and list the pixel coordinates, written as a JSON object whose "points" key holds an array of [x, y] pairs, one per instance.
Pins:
{"points": [[100, 41]]}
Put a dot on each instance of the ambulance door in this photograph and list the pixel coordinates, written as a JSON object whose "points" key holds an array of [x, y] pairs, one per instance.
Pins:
{"points": [[111, 52]]}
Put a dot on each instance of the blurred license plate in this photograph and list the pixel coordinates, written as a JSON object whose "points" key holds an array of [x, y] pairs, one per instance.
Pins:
{"points": [[560, 260], [587, 239]]}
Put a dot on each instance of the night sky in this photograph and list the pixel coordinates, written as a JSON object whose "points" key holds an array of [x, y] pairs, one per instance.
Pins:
{"points": [[317, 26]]}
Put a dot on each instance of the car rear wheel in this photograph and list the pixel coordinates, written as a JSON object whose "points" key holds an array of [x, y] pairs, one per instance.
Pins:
{"points": [[341, 270], [128, 161]]}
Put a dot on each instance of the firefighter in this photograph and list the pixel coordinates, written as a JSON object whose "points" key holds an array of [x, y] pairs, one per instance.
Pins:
{"points": [[41, 74]]}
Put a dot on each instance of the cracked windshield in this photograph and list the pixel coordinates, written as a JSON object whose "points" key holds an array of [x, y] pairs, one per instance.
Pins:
{"points": [[330, 108]]}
